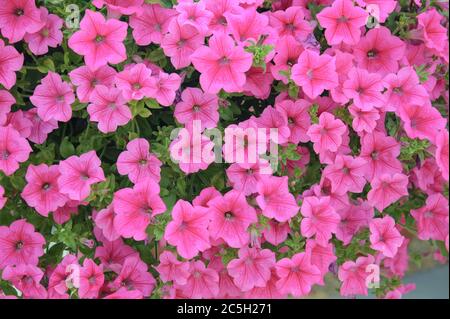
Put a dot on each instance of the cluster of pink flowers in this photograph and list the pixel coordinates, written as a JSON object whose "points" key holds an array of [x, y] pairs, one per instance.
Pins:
{"points": [[259, 238]]}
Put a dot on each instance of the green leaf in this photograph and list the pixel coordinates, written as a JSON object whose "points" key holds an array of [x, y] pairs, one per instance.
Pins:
{"points": [[66, 148]]}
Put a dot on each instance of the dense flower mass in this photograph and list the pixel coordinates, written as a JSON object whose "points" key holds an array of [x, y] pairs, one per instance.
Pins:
{"points": [[221, 148]]}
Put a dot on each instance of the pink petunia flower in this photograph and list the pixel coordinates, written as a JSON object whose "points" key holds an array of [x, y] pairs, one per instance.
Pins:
{"points": [[3, 199], [86, 80], [222, 65], [386, 189], [6, 101], [20, 244], [27, 279], [113, 254], [252, 268], [63, 214], [287, 53], [434, 34], [50, 35], [432, 219], [194, 14], [276, 232], [379, 51], [165, 87], [353, 275], [91, 279], [364, 121], [188, 229], [206, 195], [108, 108], [380, 152], [342, 22], [10, 62], [220, 10], [227, 287], [197, 106], [230, 217], [248, 26], [258, 83], [315, 73], [53, 98], [135, 82], [384, 237], [42, 192], [104, 220], [118, 7], [18, 17], [135, 207], [297, 117], [171, 269], [203, 282], [14, 149], [320, 219], [245, 177], [321, 256], [100, 41], [78, 173], [365, 89], [151, 24], [421, 121], [39, 129], [19, 122], [274, 198], [180, 43], [134, 275], [327, 134], [346, 174], [63, 276], [442, 150], [291, 22], [272, 119], [353, 218], [297, 275], [138, 163], [384, 8]]}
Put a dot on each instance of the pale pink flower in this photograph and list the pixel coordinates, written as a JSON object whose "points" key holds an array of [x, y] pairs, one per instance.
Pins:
{"points": [[100, 41], [276, 232], [297, 275], [138, 163], [220, 10], [287, 52], [53, 98], [194, 14], [384, 236], [108, 108], [434, 34], [354, 217], [222, 65], [188, 229], [42, 191], [78, 173], [364, 121], [248, 26]]}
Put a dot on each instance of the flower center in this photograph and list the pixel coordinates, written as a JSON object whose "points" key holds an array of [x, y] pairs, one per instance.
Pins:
{"points": [[229, 215], [290, 120], [143, 162], [45, 33], [112, 105], [343, 19], [250, 171], [309, 74], [371, 54], [196, 108], [345, 170], [181, 43], [224, 61], [19, 12], [222, 20], [428, 214], [60, 98], [5, 154], [374, 155], [19, 245], [290, 27], [397, 90], [137, 86], [46, 186], [99, 39], [84, 176]]}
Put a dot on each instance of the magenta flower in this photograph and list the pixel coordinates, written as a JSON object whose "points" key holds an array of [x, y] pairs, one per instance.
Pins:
{"points": [[222, 65], [384, 237], [10, 62], [135, 82], [342, 22], [421, 121], [248, 26], [230, 217], [108, 108], [135, 207], [188, 229], [364, 121], [14, 149], [346, 174], [206, 195], [194, 14], [104, 220], [86, 80], [252, 268], [277, 232], [171, 269], [272, 119], [53, 98], [26, 278], [91, 279], [20, 244], [78, 173], [380, 152], [297, 275], [18, 17], [291, 22], [42, 192], [165, 87], [203, 282], [432, 219], [315, 73], [220, 10], [379, 51], [365, 89], [197, 106], [138, 163], [287, 52], [354, 275], [258, 83], [385, 7], [152, 24], [100, 41], [6, 101], [298, 119], [274, 198], [327, 134], [353, 218], [386, 189], [62, 276], [245, 177], [113, 254], [50, 35], [434, 34], [320, 219], [442, 149], [118, 7], [39, 129], [180, 43], [321, 256], [134, 275]]}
